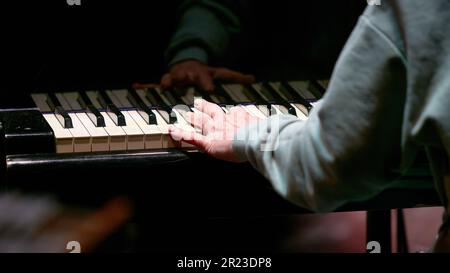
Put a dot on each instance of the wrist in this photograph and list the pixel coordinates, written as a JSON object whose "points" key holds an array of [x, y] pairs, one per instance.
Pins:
{"points": [[189, 53]]}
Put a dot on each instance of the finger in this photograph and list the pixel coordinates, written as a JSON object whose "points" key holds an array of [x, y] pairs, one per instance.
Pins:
{"points": [[166, 81], [234, 76], [138, 85], [180, 78], [242, 114], [200, 121], [236, 110], [189, 137], [192, 76], [205, 81], [211, 109]]}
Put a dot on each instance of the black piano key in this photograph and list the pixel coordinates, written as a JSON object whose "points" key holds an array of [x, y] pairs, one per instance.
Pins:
{"points": [[111, 109], [203, 94], [143, 110], [175, 102], [294, 97], [278, 99], [170, 99], [150, 96], [94, 115], [209, 96], [155, 99], [176, 94], [222, 95], [59, 111], [255, 96], [316, 88]]}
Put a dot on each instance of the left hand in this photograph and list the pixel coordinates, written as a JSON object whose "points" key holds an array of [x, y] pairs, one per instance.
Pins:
{"points": [[217, 129]]}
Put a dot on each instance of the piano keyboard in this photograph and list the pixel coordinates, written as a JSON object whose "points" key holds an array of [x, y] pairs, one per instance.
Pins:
{"points": [[137, 119]]}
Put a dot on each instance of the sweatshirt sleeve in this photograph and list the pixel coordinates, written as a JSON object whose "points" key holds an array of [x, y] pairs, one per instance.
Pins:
{"points": [[351, 140], [204, 32]]}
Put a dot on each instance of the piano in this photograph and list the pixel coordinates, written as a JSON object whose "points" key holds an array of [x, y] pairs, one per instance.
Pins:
{"points": [[130, 119], [71, 137], [90, 145]]}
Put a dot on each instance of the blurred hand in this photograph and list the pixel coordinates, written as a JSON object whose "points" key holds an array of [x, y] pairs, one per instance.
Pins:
{"points": [[193, 72], [217, 129]]}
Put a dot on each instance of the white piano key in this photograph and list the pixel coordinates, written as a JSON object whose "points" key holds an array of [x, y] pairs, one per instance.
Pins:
{"points": [[117, 136], [93, 96], [63, 137], [183, 124], [189, 96], [167, 141], [279, 110], [264, 110], [235, 95], [236, 92], [302, 89], [300, 111], [82, 139], [254, 111], [135, 136], [99, 137], [40, 99], [162, 96], [258, 87], [152, 134], [179, 110]]}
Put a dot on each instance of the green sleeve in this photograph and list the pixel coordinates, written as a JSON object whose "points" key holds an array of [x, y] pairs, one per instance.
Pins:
{"points": [[205, 30]]}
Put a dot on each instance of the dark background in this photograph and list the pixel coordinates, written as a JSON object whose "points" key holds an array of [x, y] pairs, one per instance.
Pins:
{"points": [[50, 45]]}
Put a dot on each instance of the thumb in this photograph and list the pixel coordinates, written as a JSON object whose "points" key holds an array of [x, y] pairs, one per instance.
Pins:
{"points": [[233, 76]]}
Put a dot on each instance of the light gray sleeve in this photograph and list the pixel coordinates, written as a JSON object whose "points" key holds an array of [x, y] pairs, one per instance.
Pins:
{"points": [[344, 151]]}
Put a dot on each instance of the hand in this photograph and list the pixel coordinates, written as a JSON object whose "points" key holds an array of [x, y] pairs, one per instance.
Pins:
{"points": [[193, 72], [217, 129]]}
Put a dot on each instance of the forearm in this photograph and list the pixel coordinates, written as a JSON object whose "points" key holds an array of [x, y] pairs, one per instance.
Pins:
{"points": [[344, 151]]}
